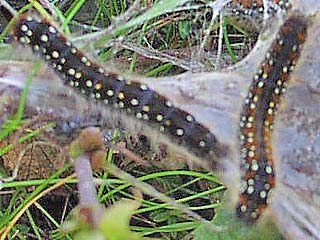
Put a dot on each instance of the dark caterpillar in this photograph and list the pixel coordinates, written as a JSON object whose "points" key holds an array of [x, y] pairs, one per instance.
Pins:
{"points": [[258, 116], [255, 7], [117, 93]]}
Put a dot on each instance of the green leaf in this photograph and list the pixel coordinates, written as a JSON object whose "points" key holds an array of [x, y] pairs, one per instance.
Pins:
{"points": [[234, 229], [115, 222], [184, 29]]}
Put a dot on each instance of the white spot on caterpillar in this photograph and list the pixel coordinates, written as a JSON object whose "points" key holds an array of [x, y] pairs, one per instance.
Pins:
{"points": [[84, 59], [254, 166], [189, 118], [254, 215], [89, 83], [29, 33], [169, 104], [120, 78], [134, 102], [139, 115], [44, 38], [24, 28], [268, 169], [159, 117], [202, 143], [180, 132], [143, 87], [52, 29], [252, 106], [250, 190], [146, 108], [78, 75], [121, 104], [63, 60], [98, 95], [110, 92], [71, 71], [260, 84], [251, 154], [251, 181], [243, 208], [145, 116], [22, 39], [55, 54], [263, 194]]}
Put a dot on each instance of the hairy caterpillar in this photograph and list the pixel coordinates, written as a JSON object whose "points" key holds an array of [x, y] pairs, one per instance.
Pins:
{"points": [[258, 116], [295, 206], [254, 7], [126, 97]]}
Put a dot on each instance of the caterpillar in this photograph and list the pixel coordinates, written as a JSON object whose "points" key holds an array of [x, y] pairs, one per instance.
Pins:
{"points": [[127, 97], [258, 116], [254, 7]]}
